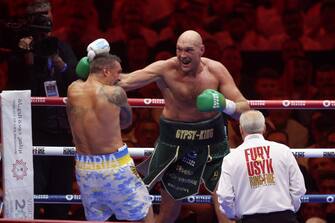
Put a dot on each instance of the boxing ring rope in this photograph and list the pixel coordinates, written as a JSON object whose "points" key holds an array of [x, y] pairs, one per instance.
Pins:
{"points": [[144, 152], [156, 102], [140, 152], [196, 199]]}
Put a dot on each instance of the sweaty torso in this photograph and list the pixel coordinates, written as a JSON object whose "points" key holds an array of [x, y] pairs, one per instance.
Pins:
{"points": [[180, 91], [94, 119]]}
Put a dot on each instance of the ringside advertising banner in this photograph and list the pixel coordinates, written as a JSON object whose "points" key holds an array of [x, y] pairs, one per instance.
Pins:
{"points": [[17, 154]]}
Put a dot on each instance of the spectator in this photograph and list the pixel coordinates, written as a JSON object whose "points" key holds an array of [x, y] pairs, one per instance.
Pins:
{"points": [[292, 48], [132, 23], [218, 10], [268, 18], [326, 35], [324, 82], [46, 71], [191, 14], [267, 84], [231, 57], [76, 23], [327, 183], [293, 22], [312, 18], [137, 53], [238, 33], [282, 120], [316, 166], [298, 74], [315, 220], [320, 127], [312, 210], [278, 136], [104, 9], [213, 48], [146, 133]]}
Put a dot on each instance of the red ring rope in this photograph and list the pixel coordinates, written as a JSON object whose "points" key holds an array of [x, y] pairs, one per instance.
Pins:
{"points": [[156, 102]]}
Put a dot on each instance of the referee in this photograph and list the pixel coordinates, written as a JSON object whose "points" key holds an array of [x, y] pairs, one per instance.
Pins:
{"points": [[260, 180]]}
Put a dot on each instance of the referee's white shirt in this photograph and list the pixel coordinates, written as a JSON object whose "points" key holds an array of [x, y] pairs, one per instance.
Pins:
{"points": [[259, 176]]}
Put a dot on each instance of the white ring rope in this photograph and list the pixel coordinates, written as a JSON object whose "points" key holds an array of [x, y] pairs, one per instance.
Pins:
{"points": [[140, 152]]}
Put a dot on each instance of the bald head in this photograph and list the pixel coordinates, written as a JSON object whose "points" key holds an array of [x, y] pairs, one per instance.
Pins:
{"points": [[189, 51], [191, 37], [252, 122]]}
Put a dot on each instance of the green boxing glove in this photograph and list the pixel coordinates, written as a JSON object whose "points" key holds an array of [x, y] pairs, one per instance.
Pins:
{"points": [[83, 68], [211, 100]]}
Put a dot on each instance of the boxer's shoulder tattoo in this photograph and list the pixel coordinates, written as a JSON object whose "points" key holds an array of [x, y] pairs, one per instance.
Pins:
{"points": [[116, 96]]}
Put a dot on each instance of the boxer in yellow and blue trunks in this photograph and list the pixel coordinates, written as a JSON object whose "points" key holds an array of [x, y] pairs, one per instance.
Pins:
{"points": [[97, 111], [110, 185]]}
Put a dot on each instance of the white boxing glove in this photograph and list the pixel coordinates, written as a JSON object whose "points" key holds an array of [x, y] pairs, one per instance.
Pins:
{"points": [[99, 46]]}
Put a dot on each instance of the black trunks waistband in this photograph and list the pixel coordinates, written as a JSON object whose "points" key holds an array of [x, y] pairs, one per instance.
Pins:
{"points": [[193, 133]]}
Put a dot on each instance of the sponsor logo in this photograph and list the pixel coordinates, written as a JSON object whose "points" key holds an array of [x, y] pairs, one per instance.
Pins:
{"points": [[149, 101], [286, 103], [147, 152], [329, 154], [155, 198], [72, 197], [257, 103], [20, 213], [38, 151], [20, 208], [69, 197], [330, 199], [299, 154], [38, 99], [190, 199], [68, 151], [304, 199], [41, 197], [216, 101], [19, 169], [299, 103], [199, 199]]}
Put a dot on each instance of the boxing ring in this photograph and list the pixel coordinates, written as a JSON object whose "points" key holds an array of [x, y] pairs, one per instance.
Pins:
{"points": [[143, 152]]}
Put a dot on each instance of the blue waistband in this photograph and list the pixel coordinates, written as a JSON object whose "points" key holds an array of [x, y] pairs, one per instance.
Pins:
{"points": [[122, 151]]}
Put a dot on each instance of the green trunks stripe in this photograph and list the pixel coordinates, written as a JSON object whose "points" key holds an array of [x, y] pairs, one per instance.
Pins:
{"points": [[187, 153]]}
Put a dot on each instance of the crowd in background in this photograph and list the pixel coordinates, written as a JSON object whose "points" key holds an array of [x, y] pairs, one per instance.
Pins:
{"points": [[274, 49]]}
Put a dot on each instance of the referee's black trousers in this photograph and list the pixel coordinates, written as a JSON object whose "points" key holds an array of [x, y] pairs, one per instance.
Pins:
{"points": [[272, 217]]}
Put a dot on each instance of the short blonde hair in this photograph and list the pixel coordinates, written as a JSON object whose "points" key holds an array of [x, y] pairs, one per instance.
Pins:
{"points": [[252, 121]]}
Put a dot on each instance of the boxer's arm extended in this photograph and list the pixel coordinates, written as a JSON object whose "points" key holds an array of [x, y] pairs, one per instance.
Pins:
{"points": [[228, 100], [118, 97], [142, 77]]}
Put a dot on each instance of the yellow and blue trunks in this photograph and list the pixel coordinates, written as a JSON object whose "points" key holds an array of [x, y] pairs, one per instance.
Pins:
{"points": [[109, 184]]}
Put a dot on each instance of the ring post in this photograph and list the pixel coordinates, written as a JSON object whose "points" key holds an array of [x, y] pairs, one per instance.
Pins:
{"points": [[18, 182]]}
